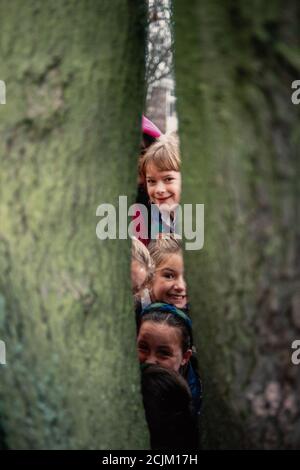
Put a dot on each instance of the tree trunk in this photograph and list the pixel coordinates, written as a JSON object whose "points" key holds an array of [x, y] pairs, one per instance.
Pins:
{"points": [[69, 139], [235, 63]]}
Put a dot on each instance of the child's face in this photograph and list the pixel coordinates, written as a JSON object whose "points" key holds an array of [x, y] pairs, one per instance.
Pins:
{"points": [[163, 187], [168, 284], [138, 276], [159, 343]]}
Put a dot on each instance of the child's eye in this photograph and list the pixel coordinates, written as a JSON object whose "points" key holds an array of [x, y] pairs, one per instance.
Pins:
{"points": [[150, 181], [164, 353], [168, 275], [169, 179]]}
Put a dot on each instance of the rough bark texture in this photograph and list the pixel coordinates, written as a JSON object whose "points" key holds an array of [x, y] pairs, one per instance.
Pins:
{"points": [[69, 140], [235, 62]]}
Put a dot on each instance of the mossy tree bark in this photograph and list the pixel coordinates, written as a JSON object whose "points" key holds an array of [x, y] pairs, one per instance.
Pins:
{"points": [[239, 131], [69, 139]]}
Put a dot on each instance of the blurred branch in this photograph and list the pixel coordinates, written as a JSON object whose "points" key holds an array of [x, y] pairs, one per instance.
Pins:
{"points": [[160, 42]]}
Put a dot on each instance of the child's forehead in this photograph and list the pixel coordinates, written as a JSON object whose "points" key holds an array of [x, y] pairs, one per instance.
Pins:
{"points": [[158, 331], [152, 169], [172, 261]]}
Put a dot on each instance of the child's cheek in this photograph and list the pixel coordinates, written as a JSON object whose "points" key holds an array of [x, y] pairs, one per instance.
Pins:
{"points": [[178, 194], [141, 356]]}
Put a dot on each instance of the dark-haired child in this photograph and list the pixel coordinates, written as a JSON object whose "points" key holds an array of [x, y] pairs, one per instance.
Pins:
{"points": [[165, 338], [168, 409]]}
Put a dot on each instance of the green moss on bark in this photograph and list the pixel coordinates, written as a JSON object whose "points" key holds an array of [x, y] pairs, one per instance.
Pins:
{"points": [[239, 132], [69, 140]]}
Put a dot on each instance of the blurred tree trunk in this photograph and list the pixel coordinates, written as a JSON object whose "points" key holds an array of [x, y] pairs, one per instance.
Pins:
{"points": [[235, 62], [69, 140]]}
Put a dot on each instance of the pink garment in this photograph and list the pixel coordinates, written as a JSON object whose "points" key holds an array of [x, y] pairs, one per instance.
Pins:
{"points": [[149, 128]]}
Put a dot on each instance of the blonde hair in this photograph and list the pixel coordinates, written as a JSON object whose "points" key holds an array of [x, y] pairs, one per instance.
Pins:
{"points": [[141, 254], [164, 154], [162, 248]]}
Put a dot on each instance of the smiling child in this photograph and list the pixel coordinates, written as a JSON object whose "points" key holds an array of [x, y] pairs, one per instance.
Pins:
{"points": [[160, 170], [168, 284]]}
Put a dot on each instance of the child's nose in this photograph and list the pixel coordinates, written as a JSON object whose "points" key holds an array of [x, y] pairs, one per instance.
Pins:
{"points": [[151, 359], [180, 284], [160, 187]]}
